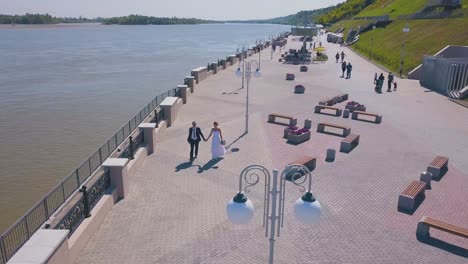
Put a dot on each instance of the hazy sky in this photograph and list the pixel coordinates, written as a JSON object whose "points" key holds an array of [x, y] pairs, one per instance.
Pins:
{"points": [[208, 9]]}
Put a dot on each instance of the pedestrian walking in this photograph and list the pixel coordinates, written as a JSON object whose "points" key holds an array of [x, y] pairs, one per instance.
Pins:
{"points": [[380, 83], [343, 68], [389, 82], [194, 137], [337, 56], [342, 56], [375, 78], [349, 68], [314, 45]]}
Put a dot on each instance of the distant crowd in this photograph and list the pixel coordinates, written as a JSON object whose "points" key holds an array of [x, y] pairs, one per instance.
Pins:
{"points": [[348, 68], [379, 82]]}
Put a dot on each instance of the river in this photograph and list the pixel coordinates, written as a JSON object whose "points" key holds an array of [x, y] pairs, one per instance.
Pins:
{"points": [[64, 90]]}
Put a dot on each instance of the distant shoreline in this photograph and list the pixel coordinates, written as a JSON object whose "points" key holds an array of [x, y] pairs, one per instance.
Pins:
{"points": [[62, 25], [80, 25]]}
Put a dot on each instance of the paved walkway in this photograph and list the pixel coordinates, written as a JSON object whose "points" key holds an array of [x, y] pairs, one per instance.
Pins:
{"points": [[175, 212]]}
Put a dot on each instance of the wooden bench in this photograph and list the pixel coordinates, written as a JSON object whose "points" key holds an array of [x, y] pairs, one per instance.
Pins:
{"points": [[422, 232], [438, 167], [327, 102], [349, 143], [407, 199], [378, 118], [319, 108], [321, 128], [292, 120], [342, 97], [309, 162]]}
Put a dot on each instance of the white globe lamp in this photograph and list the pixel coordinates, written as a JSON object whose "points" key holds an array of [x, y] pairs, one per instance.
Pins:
{"points": [[257, 73], [239, 72], [307, 209], [240, 209]]}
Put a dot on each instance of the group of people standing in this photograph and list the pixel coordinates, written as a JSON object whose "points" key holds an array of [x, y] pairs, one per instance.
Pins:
{"points": [[344, 67], [379, 82], [195, 135]]}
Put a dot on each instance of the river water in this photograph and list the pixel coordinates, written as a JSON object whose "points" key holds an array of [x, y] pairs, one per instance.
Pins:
{"points": [[64, 90]]}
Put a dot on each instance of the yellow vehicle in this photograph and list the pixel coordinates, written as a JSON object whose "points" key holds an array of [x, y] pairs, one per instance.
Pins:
{"points": [[320, 54]]}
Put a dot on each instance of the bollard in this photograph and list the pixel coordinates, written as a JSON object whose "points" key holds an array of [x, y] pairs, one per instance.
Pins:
{"points": [[346, 113], [330, 154], [426, 177]]}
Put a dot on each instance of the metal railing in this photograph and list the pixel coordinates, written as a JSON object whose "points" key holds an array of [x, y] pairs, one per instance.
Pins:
{"points": [[132, 145], [15, 236], [85, 204]]}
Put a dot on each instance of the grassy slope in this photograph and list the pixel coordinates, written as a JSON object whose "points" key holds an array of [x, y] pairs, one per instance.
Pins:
{"points": [[393, 7], [350, 23], [426, 37]]}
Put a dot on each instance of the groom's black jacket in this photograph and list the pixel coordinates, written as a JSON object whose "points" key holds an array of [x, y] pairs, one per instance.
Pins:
{"points": [[198, 133]]}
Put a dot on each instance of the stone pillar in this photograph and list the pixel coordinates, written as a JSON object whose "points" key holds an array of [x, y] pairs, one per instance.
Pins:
{"points": [[118, 175], [214, 65], [223, 64], [168, 106], [148, 135], [232, 59], [183, 92], [190, 82]]}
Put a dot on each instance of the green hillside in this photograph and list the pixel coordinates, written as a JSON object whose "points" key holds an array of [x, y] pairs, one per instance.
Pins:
{"points": [[296, 19], [393, 8], [344, 10], [426, 36]]}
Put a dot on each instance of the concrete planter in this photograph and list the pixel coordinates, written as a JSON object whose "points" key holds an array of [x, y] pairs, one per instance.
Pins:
{"points": [[290, 77], [299, 89], [297, 139], [288, 131], [353, 108]]}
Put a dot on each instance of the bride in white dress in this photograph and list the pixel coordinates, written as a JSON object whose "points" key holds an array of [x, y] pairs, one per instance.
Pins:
{"points": [[217, 149]]}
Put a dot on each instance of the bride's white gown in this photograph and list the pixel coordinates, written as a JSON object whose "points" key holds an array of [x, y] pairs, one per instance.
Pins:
{"points": [[217, 150]]}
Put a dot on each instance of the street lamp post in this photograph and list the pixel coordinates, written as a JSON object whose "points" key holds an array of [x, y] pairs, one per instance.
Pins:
{"points": [[242, 50], [406, 29], [271, 46], [307, 209], [372, 44], [259, 42], [248, 68]]}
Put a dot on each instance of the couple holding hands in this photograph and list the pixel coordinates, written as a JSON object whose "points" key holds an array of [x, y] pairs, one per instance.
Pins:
{"points": [[217, 143]]}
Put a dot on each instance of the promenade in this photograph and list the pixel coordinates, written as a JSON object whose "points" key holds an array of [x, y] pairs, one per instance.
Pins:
{"points": [[175, 211]]}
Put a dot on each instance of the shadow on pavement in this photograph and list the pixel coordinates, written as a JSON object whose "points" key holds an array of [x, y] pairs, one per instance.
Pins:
{"points": [[210, 165], [232, 143], [454, 249], [185, 165]]}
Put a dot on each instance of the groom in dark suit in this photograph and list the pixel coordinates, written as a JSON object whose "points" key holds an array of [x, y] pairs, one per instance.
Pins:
{"points": [[194, 137]]}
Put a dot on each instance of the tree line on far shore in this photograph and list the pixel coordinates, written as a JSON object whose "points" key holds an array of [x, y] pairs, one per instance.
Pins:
{"points": [[150, 20], [37, 19]]}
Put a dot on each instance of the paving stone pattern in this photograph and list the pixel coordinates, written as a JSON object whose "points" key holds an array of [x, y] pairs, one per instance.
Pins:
{"points": [[175, 211]]}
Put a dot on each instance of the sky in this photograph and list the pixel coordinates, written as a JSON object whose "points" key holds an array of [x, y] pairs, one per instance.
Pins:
{"points": [[204, 9]]}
